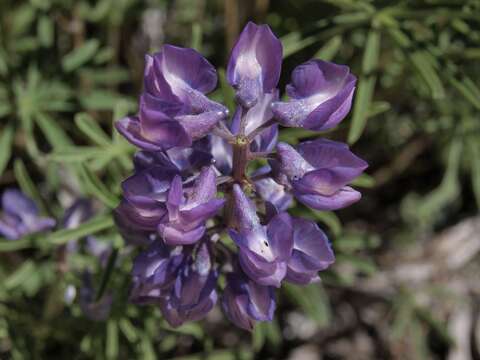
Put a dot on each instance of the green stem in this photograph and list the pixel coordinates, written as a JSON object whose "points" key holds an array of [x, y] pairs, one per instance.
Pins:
{"points": [[106, 275]]}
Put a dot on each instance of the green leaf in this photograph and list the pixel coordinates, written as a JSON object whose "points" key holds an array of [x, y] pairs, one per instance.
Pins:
{"points": [[146, 349], [3, 62], [92, 226], [6, 142], [372, 51], [197, 34], [421, 62], [468, 89], [81, 55], [258, 336], [45, 31], [312, 300], [95, 187], [364, 180], [330, 219], [128, 330], [9, 245], [227, 91], [26, 183], [328, 51], [91, 129], [293, 43], [111, 347], [475, 164], [106, 76], [56, 136], [361, 107], [22, 19], [78, 154], [104, 100], [20, 275]]}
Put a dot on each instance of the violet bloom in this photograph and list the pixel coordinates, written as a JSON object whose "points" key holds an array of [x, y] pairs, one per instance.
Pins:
{"points": [[245, 302], [255, 64], [174, 110], [193, 182], [189, 210], [321, 96], [20, 216], [318, 172], [193, 294], [154, 272], [263, 250], [311, 252]]}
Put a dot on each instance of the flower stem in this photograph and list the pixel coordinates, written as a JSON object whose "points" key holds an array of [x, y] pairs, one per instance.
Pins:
{"points": [[240, 158], [106, 275]]}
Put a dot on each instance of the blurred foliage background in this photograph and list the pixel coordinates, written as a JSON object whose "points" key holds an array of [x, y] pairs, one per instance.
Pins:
{"points": [[405, 284]]}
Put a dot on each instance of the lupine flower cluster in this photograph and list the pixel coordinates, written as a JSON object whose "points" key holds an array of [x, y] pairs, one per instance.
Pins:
{"points": [[203, 214]]}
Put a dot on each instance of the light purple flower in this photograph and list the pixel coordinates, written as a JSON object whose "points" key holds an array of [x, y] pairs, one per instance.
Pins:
{"points": [[188, 210], [311, 252], [318, 172], [174, 110], [245, 302], [20, 216], [263, 250], [274, 194], [320, 96], [255, 64], [154, 272], [193, 294]]}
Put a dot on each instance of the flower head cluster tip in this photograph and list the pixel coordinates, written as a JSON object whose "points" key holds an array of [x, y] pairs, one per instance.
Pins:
{"points": [[192, 201]]}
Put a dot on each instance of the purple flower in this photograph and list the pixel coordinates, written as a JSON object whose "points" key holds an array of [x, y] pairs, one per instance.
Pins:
{"points": [[174, 110], [145, 194], [20, 216], [318, 172], [245, 302], [255, 64], [193, 294], [263, 250], [154, 272], [320, 96], [311, 252], [246, 121], [274, 194], [188, 210], [184, 161]]}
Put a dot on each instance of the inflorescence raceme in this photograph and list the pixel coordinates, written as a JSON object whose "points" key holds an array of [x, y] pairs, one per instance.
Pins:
{"points": [[203, 216]]}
